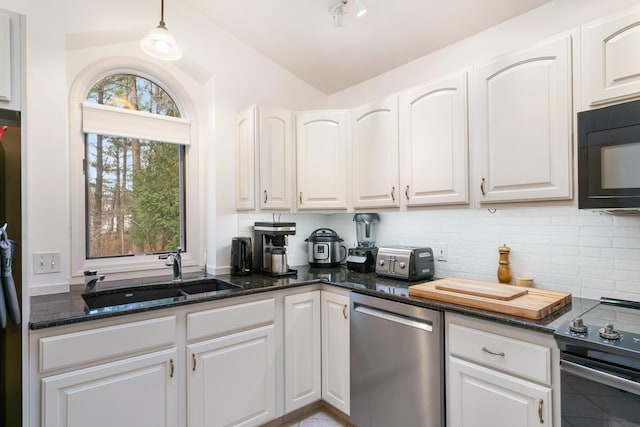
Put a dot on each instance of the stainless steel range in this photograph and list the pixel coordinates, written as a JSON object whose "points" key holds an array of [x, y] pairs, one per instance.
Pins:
{"points": [[600, 365]]}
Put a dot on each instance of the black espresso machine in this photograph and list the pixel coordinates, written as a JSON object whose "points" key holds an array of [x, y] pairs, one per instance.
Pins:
{"points": [[362, 259]]}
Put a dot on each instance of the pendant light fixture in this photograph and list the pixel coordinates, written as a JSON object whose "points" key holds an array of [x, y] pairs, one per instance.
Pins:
{"points": [[159, 43], [342, 7]]}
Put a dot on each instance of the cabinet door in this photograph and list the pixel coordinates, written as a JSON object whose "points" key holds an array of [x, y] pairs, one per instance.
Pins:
{"points": [[524, 125], [375, 155], [481, 397], [434, 143], [610, 64], [301, 350], [231, 379], [322, 148], [245, 159], [335, 351], [10, 60], [135, 392], [276, 158]]}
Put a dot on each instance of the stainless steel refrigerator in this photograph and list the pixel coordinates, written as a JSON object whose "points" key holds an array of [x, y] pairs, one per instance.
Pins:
{"points": [[10, 213]]}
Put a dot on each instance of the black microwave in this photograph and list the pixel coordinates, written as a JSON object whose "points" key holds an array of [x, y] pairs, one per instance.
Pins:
{"points": [[609, 157]]}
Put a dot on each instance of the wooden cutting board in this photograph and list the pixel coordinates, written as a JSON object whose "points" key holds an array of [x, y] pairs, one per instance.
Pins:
{"points": [[531, 303]]}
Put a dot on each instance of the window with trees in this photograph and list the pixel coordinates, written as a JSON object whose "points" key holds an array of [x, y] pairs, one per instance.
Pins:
{"points": [[134, 167]]}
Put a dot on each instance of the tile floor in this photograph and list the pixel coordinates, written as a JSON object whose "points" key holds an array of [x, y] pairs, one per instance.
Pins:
{"points": [[320, 418]]}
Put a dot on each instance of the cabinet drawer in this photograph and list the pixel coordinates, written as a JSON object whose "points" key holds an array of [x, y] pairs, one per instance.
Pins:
{"points": [[229, 319], [514, 356], [104, 343]]}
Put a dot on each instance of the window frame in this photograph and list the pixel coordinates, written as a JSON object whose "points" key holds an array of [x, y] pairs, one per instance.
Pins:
{"points": [[139, 265]]}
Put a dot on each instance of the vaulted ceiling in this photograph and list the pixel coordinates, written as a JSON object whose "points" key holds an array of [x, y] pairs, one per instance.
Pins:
{"points": [[300, 34]]}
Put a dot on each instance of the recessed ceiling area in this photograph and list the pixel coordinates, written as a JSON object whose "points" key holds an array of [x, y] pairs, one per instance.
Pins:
{"points": [[300, 34]]}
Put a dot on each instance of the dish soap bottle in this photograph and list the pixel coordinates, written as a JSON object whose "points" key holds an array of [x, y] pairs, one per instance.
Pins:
{"points": [[504, 268]]}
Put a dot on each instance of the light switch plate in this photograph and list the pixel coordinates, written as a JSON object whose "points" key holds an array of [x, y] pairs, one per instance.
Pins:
{"points": [[46, 262]]}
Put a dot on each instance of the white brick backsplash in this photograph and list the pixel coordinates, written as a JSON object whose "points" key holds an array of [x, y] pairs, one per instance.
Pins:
{"points": [[626, 264], [626, 242], [589, 282], [596, 242], [583, 252]]}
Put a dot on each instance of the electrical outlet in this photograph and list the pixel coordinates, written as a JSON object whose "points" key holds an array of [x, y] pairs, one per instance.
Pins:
{"points": [[46, 262], [442, 252]]}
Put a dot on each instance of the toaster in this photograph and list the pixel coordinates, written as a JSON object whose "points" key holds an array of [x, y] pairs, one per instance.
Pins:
{"points": [[405, 262]]}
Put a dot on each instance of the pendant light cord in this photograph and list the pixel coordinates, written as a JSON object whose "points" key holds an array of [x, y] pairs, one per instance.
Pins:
{"points": [[162, 14]]}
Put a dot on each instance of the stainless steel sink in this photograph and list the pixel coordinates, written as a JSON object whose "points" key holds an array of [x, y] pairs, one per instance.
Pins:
{"points": [[154, 294]]}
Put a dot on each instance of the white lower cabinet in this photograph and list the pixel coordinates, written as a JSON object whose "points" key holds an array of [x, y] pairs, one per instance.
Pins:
{"points": [[231, 379], [335, 351], [499, 376], [483, 397], [247, 361], [136, 392], [301, 350]]}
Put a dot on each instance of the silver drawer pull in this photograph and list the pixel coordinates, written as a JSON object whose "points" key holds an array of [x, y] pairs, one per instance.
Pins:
{"points": [[540, 411], [494, 353]]}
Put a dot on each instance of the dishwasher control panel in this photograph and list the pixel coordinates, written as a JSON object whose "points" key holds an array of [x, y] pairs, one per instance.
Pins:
{"points": [[405, 262]]}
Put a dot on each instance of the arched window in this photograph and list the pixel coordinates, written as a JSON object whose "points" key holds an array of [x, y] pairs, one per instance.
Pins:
{"points": [[134, 167]]}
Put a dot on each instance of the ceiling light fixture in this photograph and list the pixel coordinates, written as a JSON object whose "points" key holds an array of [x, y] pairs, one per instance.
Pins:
{"points": [[342, 7], [159, 43]]}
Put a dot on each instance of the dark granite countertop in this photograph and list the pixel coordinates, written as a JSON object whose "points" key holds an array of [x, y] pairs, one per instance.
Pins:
{"points": [[67, 308]]}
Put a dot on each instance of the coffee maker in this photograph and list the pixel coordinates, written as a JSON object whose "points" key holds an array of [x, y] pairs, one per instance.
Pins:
{"points": [[271, 240], [362, 259]]}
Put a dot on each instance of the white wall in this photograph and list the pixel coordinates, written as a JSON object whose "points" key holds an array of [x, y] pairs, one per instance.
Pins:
{"points": [[220, 73]]}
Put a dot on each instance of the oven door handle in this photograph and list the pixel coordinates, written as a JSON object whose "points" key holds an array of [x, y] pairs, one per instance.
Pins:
{"points": [[600, 377]]}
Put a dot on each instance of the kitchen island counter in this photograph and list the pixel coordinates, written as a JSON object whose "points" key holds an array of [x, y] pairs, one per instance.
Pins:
{"points": [[67, 308]]}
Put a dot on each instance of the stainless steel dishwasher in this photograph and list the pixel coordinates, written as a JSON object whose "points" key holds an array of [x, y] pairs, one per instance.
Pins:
{"points": [[397, 369]]}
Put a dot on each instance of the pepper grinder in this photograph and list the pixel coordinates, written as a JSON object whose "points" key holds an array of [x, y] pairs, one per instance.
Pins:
{"points": [[504, 268]]}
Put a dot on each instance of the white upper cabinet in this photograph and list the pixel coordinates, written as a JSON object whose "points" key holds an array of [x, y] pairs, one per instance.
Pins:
{"points": [[322, 160], [246, 159], [610, 63], [275, 145], [524, 125], [375, 155], [434, 143], [10, 59]]}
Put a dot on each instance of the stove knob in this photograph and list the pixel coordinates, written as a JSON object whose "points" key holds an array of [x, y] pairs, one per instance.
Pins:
{"points": [[381, 262], [609, 333], [578, 326], [403, 265]]}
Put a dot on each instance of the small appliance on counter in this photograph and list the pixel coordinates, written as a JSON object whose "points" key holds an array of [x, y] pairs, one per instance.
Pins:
{"points": [[362, 259], [241, 256], [271, 240], [325, 249], [405, 262]]}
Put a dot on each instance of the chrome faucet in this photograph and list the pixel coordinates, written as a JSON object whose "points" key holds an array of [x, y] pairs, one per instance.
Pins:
{"points": [[173, 259], [91, 278]]}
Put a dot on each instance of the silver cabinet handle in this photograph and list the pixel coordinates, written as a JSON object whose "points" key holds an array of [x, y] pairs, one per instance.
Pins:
{"points": [[494, 353], [171, 368], [482, 187], [301, 197], [265, 196], [393, 194], [344, 311], [193, 360], [540, 411], [406, 192]]}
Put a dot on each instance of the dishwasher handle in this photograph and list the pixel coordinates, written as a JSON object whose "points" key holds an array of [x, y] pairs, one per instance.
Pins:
{"points": [[424, 325]]}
